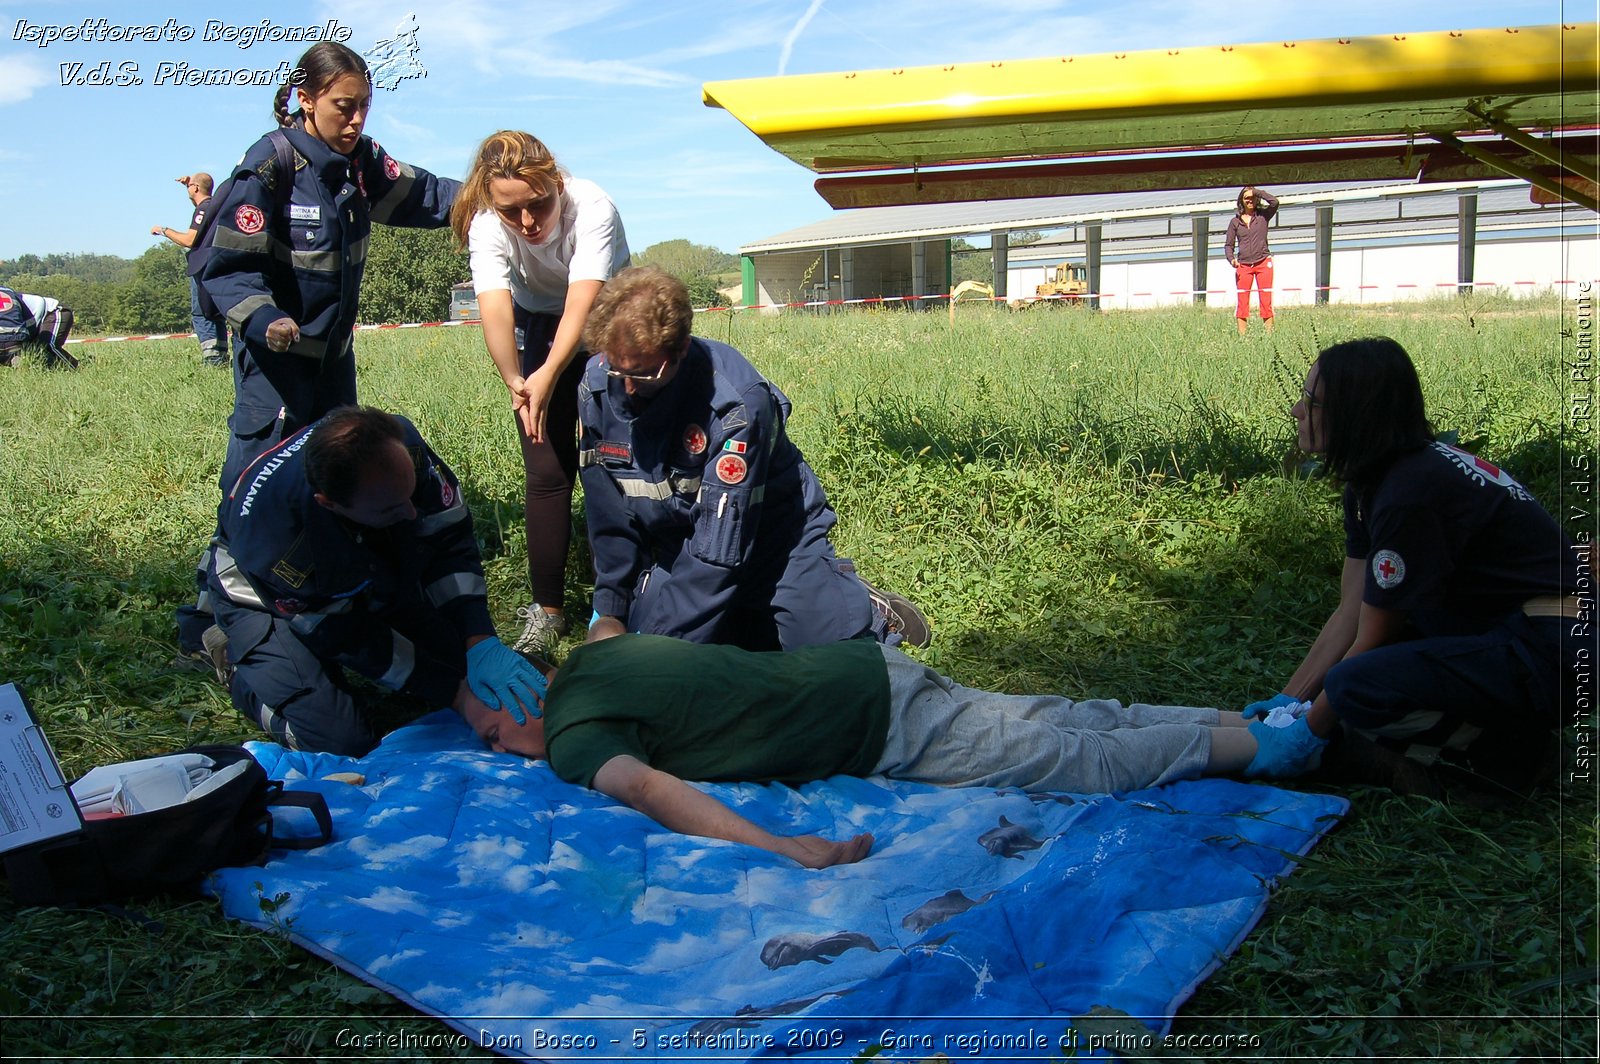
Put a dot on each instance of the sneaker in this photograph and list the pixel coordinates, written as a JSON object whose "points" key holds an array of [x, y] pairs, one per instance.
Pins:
{"points": [[1284, 752], [217, 361], [215, 641], [211, 656], [901, 616], [540, 630]]}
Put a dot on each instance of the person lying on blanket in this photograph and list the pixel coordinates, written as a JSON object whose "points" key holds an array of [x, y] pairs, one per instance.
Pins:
{"points": [[634, 716]]}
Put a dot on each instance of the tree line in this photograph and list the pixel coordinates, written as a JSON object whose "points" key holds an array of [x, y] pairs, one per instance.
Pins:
{"points": [[408, 278]]}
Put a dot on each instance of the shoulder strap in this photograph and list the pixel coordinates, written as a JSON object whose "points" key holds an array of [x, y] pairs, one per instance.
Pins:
{"points": [[285, 156]]}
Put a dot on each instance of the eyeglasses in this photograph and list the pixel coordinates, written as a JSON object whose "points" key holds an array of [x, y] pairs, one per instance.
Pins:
{"points": [[639, 378], [1311, 401]]}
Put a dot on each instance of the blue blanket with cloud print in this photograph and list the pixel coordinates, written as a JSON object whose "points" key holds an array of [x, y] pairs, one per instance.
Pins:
{"points": [[547, 921]]}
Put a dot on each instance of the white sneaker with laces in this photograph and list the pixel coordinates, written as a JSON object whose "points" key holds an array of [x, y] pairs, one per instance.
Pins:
{"points": [[540, 630]]}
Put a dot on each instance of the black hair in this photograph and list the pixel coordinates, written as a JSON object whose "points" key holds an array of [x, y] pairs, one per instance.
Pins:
{"points": [[344, 445], [1372, 405], [322, 64]]}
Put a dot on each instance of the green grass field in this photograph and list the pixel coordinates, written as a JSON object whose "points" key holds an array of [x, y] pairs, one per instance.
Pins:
{"points": [[1096, 504]]}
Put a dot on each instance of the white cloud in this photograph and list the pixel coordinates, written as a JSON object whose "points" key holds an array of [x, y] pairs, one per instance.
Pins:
{"points": [[794, 34], [392, 959], [531, 936], [395, 900], [19, 78], [377, 856]]}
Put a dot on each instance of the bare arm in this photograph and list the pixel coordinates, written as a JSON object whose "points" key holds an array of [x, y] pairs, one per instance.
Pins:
{"points": [[496, 309], [679, 807], [183, 238], [1375, 627], [1337, 635], [538, 386]]}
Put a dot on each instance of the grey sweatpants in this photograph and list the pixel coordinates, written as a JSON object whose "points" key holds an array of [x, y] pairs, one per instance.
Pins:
{"points": [[941, 732]]}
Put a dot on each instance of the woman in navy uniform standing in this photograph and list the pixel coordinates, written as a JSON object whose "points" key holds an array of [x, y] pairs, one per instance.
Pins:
{"points": [[288, 249], [287, 252], [1463, 608]]}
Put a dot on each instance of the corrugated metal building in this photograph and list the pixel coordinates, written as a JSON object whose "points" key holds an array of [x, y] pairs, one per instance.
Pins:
{"points": [[1340, 243]]}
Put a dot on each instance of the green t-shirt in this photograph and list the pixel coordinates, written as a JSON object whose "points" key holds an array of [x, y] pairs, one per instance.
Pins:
{"points": [[712, 713]]}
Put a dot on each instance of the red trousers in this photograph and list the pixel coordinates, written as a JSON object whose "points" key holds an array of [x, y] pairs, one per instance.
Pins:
{"points": [[1261, 272]]}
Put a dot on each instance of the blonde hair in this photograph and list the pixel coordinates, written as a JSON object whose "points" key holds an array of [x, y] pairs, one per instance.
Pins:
{"points": [[644, 308], [509, 154]]}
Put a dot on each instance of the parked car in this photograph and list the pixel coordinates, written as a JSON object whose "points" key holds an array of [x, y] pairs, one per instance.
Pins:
{"points": [[463, 302]]}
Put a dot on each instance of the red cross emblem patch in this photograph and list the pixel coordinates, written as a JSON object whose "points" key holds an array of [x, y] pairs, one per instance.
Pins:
{"points": [[6, 302], [1388, 568], [694, 439], [248, 219], [731, 469], [391, 168]]}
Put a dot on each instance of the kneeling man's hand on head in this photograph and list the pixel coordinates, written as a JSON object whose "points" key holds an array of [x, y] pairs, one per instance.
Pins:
{"points": [[501, 677]]}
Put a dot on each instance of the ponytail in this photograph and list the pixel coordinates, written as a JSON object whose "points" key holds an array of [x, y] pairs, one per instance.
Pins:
{"points": [[280, 103]]}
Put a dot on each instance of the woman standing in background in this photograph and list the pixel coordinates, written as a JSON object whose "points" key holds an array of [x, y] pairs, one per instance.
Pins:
{"points": [[1248, 254]]}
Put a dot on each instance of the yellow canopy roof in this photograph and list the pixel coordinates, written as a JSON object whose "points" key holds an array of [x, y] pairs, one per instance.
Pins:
{"points": [[1440, 85]]}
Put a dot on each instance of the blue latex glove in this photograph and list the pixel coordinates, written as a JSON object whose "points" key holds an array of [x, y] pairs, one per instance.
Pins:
{"points": [[1259, 710], [1284, 752], [499, 676]]}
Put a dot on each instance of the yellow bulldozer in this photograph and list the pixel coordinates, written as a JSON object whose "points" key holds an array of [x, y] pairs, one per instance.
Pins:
{"points": [[1067, 282]]}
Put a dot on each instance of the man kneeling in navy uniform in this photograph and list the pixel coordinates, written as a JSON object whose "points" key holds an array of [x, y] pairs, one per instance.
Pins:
{"points": [[349, 546], [705, 521]]}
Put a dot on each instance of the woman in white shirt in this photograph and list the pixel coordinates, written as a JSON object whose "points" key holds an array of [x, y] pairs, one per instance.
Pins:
{"points": [[541, 243]]}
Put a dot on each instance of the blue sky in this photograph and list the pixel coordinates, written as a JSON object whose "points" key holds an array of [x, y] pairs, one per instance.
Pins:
{"points": [[612, 86]]}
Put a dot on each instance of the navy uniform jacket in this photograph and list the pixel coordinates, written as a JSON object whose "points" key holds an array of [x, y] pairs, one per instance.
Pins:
{"points": [[17, 323], [282, 554], [700, 493], [302, 256], [1455, 542]]}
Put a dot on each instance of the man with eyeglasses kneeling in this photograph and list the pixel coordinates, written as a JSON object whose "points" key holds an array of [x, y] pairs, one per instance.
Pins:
{"points": [[705, 521]]}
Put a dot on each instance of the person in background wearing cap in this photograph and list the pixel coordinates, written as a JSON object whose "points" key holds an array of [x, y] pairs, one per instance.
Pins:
{"points": [[210, 327]]}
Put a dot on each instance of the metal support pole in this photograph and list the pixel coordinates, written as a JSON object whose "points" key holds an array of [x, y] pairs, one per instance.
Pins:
{"points": [[1466, 242], [1200, 242], [1324, 253], [999, 246], [1091, 234]]}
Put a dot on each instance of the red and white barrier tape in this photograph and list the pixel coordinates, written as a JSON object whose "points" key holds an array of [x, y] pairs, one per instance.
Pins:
{"points": [[878, 300], [359, 328]]}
